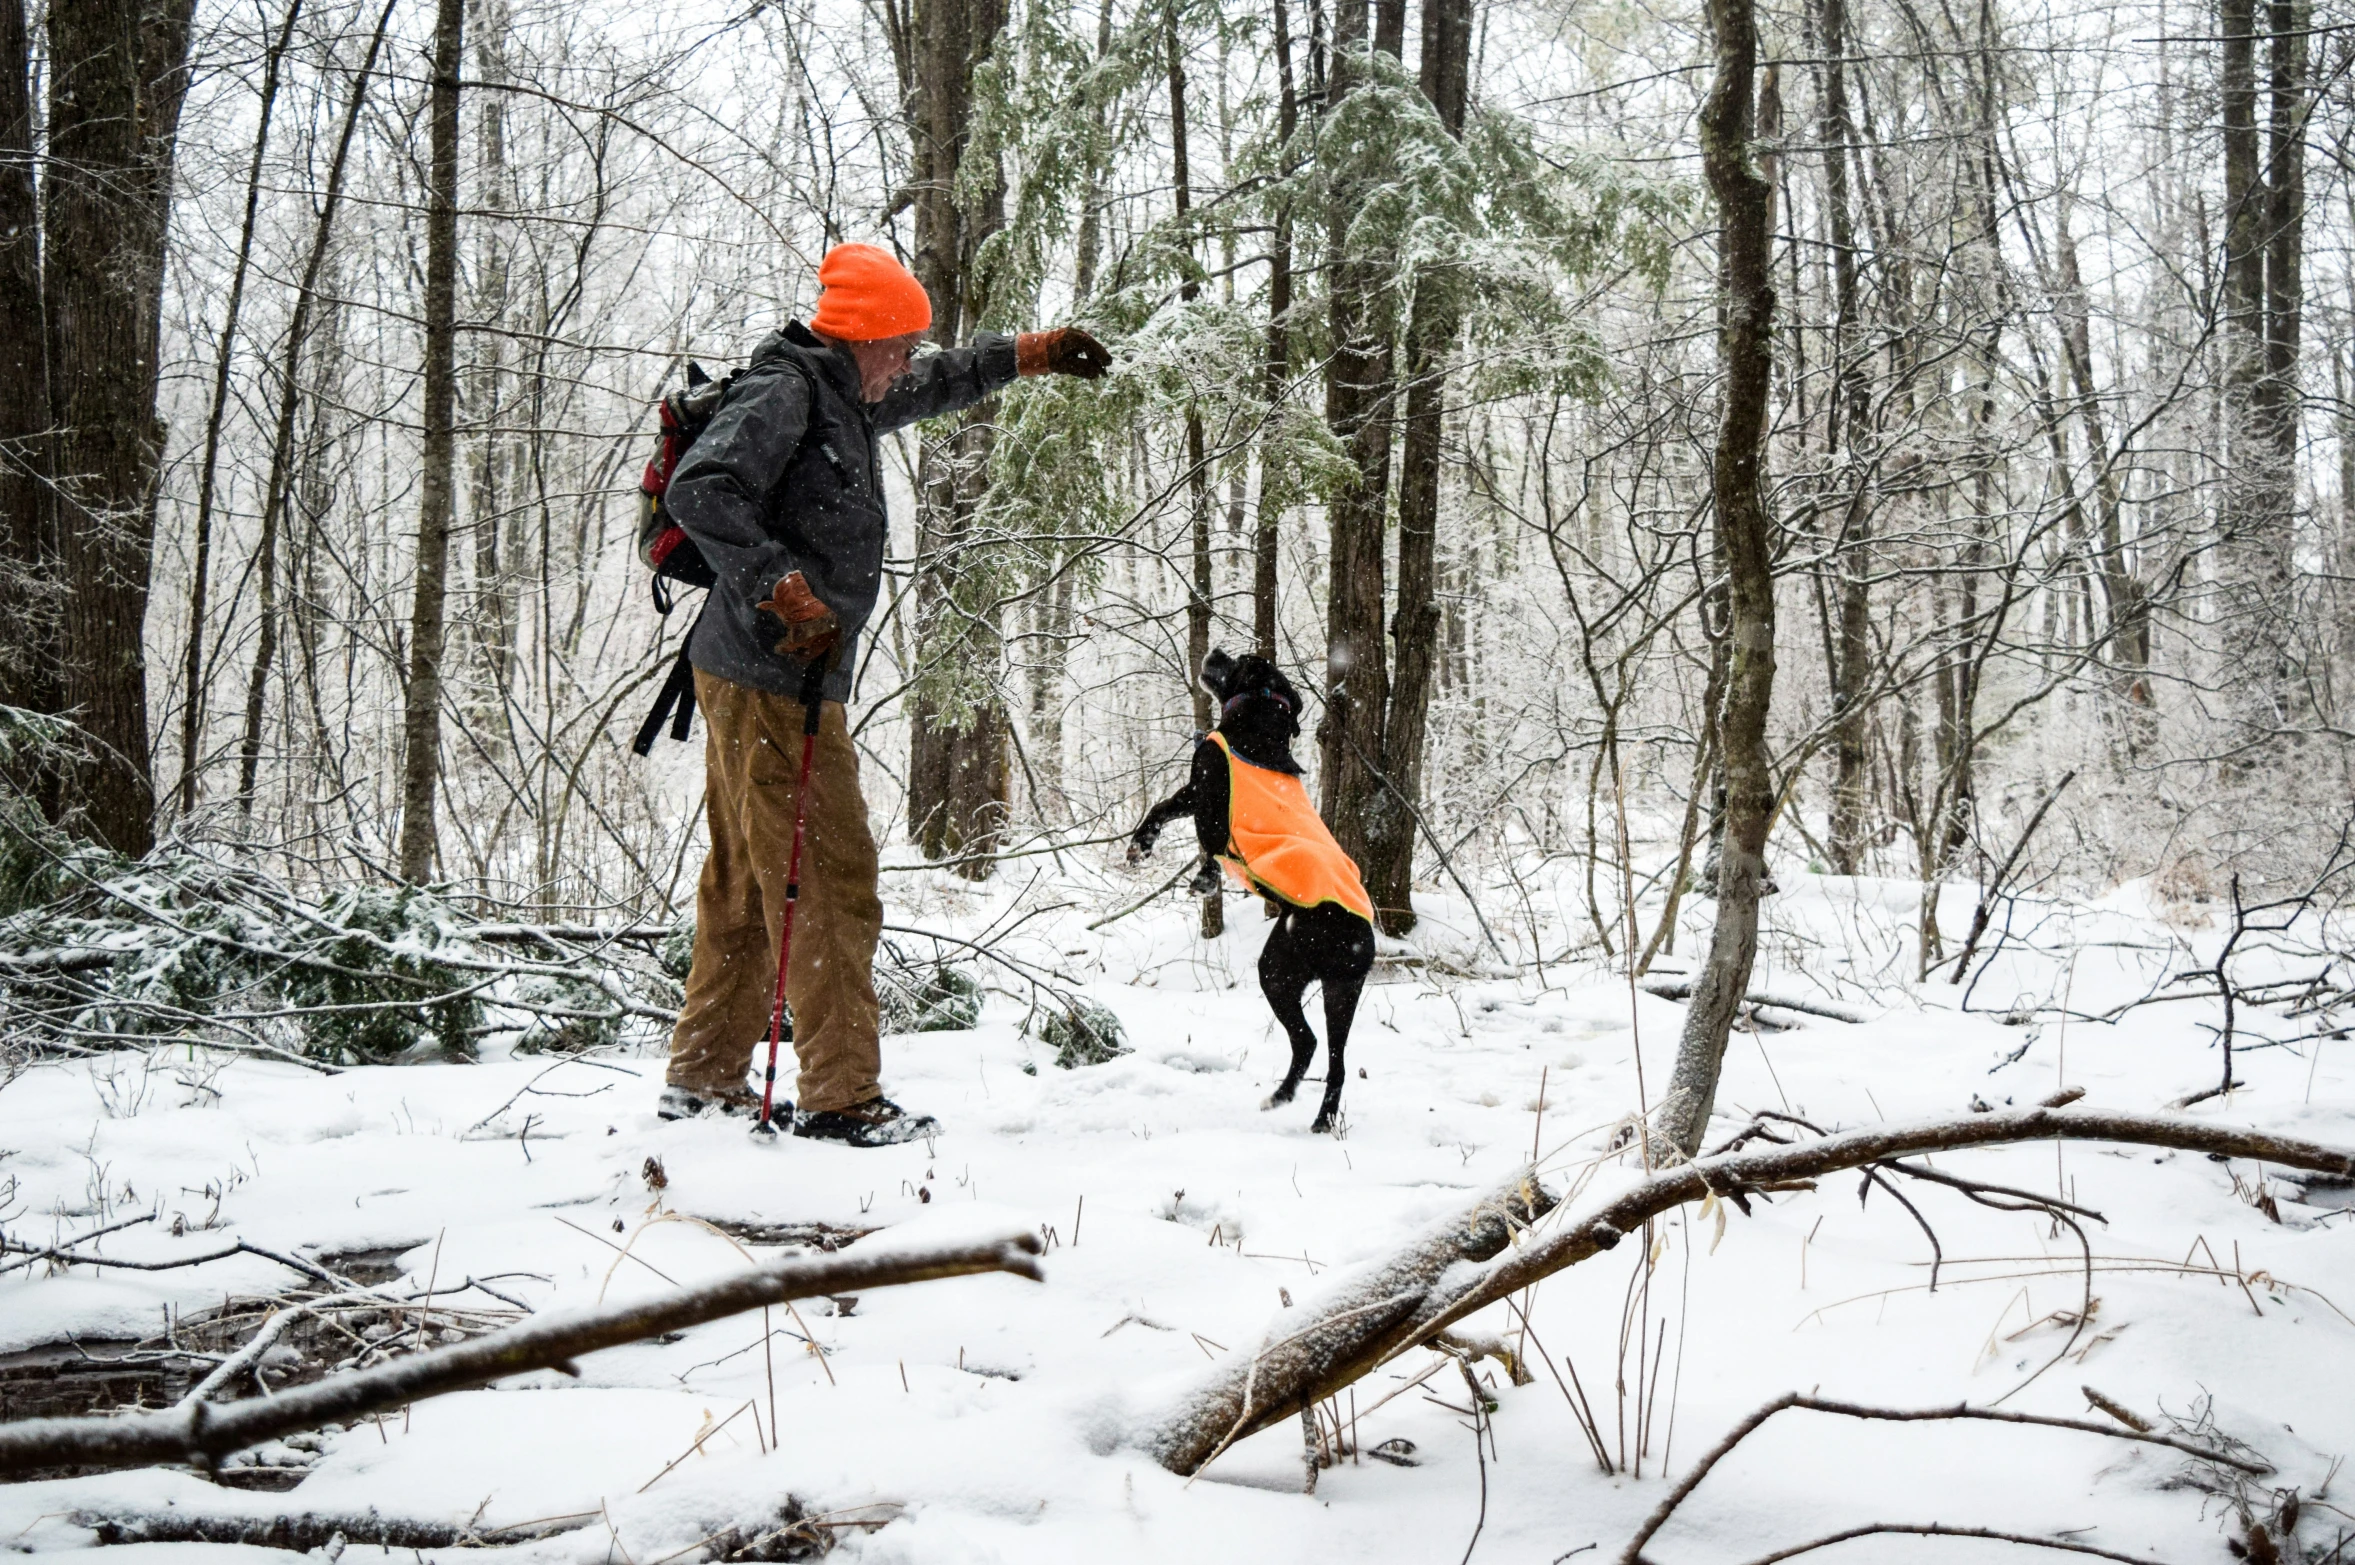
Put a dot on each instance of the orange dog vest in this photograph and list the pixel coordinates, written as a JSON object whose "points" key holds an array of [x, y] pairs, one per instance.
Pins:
{"points": [[1278, 844]]}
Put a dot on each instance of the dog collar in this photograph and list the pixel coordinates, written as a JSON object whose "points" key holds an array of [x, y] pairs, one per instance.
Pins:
{"points": [[1233, 702]]}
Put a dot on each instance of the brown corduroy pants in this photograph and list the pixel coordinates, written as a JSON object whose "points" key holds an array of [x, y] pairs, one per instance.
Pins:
{"points": [[752, 751]]}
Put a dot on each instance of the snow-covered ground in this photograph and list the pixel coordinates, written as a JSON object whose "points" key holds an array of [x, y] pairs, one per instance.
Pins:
{"points": [[994, 1419]]}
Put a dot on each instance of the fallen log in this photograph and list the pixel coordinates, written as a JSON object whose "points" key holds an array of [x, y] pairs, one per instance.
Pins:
{"points": [[1364, 1320], [204, 1432]]}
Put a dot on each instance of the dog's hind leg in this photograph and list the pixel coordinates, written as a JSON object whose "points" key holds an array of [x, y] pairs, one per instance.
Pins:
{"points": [[1284, 979], [1344, 982]]}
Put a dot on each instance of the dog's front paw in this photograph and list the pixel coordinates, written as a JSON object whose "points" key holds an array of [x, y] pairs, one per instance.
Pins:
{"points": [[1206, 879], [1138, 847]]}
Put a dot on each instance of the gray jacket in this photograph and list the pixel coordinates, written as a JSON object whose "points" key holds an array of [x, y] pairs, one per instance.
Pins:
{"points": [[787, 478]]}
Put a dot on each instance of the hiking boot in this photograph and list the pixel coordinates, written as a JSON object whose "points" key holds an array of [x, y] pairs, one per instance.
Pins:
{"points": [[700, 1103], [878, 1122]]}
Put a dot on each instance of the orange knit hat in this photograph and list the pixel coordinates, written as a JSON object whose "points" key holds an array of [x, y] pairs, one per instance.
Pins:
{"points": [[868, 296]]}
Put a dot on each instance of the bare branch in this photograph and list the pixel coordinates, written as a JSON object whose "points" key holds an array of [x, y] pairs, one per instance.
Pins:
{"points": [[199, 1431]]}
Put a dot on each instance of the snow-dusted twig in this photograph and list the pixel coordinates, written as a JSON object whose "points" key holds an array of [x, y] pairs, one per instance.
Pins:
{"points": [[33, 1252], [1941, 1530], [246, 1357], [1673, 986], [1633, 1553], [203, 1432], [78, 1240]]}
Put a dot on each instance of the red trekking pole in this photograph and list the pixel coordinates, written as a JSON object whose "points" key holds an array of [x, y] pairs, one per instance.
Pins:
{"points": [[813, 685]]}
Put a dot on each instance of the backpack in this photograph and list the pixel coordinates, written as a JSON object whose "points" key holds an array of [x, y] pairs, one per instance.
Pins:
{"points": [[668, 554], [663, 545]]}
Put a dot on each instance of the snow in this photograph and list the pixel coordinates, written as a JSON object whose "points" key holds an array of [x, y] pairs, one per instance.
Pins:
{"points": [[991, 1418]]}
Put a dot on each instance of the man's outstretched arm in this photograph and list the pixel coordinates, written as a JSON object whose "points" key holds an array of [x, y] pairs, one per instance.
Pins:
{"points": [[957, 378]]}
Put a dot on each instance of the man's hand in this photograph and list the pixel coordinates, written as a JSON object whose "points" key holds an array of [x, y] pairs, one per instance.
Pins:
{"points": [[1063, 350], [811, 628]]}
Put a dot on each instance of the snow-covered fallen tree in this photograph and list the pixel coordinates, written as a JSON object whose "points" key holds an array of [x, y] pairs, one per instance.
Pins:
{"points": [[1465, 1264]]}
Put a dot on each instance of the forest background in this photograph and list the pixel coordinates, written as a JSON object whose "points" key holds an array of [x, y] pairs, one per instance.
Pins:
{"points": [[1916, 435]]}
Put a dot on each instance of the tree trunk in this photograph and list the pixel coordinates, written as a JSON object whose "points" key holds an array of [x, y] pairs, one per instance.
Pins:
{"points": [[275, 497], [2125, 600], [2277, 398], [1414, 625], [1198, 596], [1745, 352], [1357, 410], [2256, 541], [421, 725], [117, 81], [957, 772], [493, 622], [1267, 536], [28, 587], [193, 693], [1847, 424]]}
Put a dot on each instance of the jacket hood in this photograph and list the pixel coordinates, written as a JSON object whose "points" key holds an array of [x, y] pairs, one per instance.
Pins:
{"points": [[832, 360]]}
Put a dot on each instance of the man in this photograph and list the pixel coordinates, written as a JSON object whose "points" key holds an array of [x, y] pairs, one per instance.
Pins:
{"points": [[783, 493]]}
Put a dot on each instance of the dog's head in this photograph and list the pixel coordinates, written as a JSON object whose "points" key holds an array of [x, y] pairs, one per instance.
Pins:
{"points": [[1252, 688]]}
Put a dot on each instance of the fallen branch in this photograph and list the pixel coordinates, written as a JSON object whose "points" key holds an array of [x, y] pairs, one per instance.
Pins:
{"points": [[1941, 1530], [1675, 986], [1634, 1552], [42, 1252], [1437, 1280], [311, 1530], [202, 1432]]}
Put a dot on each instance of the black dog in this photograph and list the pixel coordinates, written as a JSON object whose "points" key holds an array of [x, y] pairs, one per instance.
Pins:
{"points": [[1317, 938]]}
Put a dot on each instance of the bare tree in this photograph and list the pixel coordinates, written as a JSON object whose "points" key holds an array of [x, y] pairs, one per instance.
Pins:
{"points": [[1745, 547], [421, 724]]}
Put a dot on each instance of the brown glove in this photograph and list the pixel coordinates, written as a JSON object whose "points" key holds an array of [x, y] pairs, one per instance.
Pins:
{"points": [[1063, 350], [811, 628]]}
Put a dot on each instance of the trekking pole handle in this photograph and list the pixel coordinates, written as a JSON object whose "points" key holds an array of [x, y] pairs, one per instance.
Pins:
{"points": [[813, 692]]}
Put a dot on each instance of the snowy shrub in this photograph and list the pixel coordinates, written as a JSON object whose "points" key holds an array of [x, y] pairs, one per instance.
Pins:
{"points": [[376, 991], [39, 862], [927, 997], [565, 1016], [156, 990], [1081, 1032], [676, 954]]}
